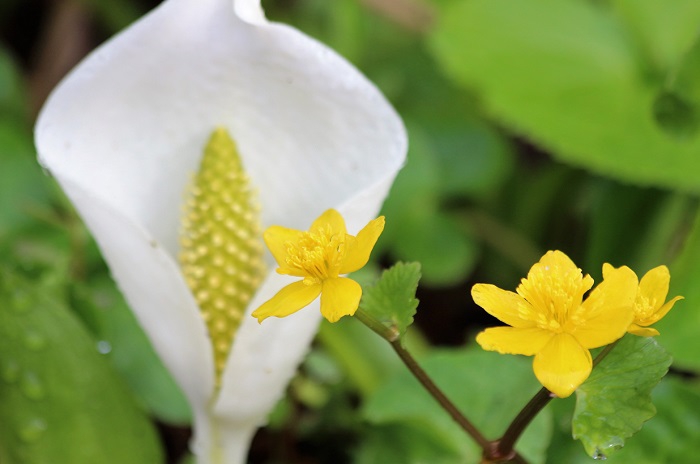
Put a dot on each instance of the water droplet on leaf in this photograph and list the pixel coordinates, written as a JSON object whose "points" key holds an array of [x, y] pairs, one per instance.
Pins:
{"points": [[599, 456], [104, 347]]}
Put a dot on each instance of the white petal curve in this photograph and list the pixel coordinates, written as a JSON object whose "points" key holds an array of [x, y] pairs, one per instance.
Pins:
{"points": [[130, 122], [124, 132], [249, 10]]}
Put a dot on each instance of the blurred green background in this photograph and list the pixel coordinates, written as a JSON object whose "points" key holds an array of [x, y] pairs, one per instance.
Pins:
{"points": [[533, 125]]}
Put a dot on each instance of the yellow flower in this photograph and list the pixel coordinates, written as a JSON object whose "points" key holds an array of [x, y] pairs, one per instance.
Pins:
{"points": [[550, 320], [649, 306], [320, 256]]}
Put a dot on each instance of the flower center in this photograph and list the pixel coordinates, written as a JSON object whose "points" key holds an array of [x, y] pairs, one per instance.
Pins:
{"points": [[644, 308], [555, 294], [221, 246], [317, 254]]}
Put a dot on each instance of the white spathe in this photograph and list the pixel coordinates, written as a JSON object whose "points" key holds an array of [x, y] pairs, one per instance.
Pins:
{"points": [[125, 131]]}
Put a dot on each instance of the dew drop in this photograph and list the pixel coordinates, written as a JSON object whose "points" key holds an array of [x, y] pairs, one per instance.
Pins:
{"points": [[32, 430], [32, 387], [599, 456], [33, 340], [104, 347], [10, 371]]}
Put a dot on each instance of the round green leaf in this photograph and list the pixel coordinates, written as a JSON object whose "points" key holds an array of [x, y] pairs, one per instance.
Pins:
{"points": [[567, 75], [615, 401], [60, 401]]}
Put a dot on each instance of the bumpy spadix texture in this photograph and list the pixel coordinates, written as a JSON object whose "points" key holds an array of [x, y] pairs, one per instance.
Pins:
{"points": [[319, 256], [650, 305], [222, 249], [550, 320]]}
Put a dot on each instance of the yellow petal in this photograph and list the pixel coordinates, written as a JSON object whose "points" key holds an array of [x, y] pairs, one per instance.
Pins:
{"points": [[558, 259], [562, 365], [654, 286], [507, 306], [360, 247], [511, 340], [607, 312], [289, 300], [664, 310], [634, 329], [332, 218], [607, 269], [655, 317], [276, 238], [653, 289], [340, 297]]}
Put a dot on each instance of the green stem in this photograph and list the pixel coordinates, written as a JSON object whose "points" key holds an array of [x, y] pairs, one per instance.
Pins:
{"points": [[441, 398], [522, 420], [541, 399], [604, 352], [392, 335], [389, 334]]}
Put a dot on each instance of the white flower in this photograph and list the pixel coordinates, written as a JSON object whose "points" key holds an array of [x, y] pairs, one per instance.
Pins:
{"points": [[124, 132]]}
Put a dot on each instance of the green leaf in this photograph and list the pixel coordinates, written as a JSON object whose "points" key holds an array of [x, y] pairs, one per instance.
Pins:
{"points": [[59, 399], [674, 433], [672, 436], [677, 108], [687, 76], [120, 337], [392, 300], [487, 387], [663, 30], [565, 74], [615, 401]]}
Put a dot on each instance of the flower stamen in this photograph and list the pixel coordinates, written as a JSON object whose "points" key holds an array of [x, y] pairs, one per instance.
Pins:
{"points": [[318, 254]]}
